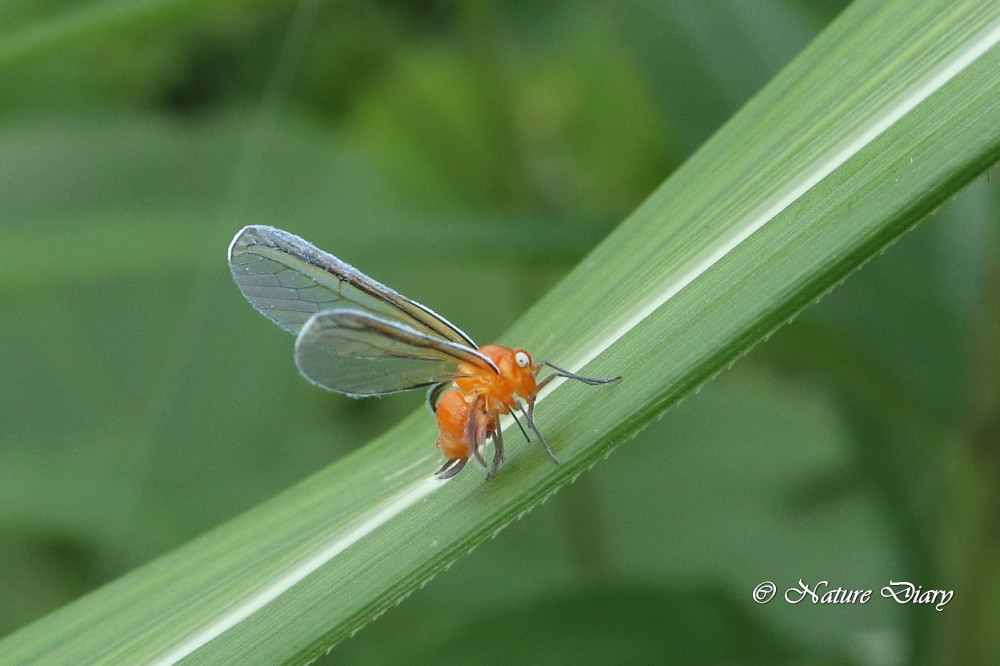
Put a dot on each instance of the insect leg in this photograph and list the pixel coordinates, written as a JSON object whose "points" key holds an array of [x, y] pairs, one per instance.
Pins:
{"points": [[531, 424], [479, 457], [521, 427], [475, 430], [498, 455], [450, 468]]}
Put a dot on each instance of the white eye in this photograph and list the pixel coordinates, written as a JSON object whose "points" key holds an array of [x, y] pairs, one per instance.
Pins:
{"points": [[522, 359]]}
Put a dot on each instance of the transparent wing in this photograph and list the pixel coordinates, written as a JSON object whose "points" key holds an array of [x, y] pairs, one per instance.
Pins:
{"points": [[289, 280], [361, 355]]}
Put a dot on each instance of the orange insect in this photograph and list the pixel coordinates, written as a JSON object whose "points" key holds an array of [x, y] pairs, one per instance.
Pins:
{"points": [[358, 337]]}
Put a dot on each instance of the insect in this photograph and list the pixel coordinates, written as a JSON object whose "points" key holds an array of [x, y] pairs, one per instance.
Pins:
{"points": [[358, 337]]}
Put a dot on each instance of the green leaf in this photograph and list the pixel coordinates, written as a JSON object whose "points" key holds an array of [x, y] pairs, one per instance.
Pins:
{"points": [[890, 112], [97, 20]]}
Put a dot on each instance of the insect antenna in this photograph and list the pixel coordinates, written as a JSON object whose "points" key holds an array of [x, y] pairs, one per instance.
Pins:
{"points": [[589, 381]]}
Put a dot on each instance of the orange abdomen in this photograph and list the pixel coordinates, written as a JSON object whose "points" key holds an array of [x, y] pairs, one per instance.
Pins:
{"points": [[453, 418]]}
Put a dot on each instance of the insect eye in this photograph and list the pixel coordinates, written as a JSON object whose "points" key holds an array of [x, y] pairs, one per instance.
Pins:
{"points": [[522, 359]]}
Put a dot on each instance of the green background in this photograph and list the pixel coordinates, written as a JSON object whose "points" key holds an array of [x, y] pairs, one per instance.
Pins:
{"points": [[468, 154]]}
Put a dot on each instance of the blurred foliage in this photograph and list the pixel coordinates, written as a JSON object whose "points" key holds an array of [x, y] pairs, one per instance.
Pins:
{"points": [[468, 154]]}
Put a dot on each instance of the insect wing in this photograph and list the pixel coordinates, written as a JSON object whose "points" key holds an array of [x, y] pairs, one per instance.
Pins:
{"points": [[362, 355], [289, 280], [434, 396]]}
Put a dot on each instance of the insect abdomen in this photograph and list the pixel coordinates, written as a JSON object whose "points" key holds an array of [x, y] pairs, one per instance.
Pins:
{"points": [[452, 419]]}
